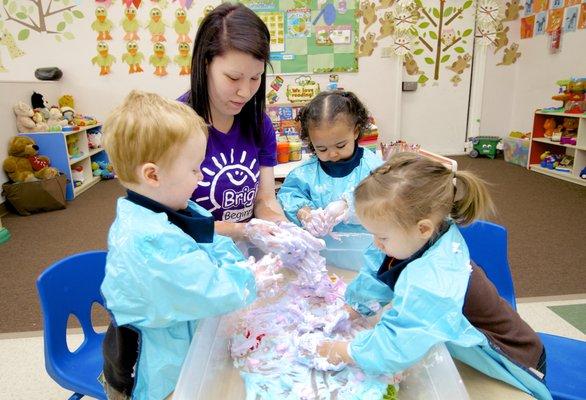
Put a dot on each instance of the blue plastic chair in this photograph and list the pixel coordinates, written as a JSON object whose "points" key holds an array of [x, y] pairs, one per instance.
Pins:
{"points": [[488, 247], [72, 286], [566, 358]]}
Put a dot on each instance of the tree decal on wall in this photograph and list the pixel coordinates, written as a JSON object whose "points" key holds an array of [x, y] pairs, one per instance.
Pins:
{"points": [[437, 40], [52, 17]]}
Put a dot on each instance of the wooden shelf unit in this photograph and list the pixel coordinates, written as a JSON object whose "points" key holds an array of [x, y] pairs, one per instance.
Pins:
{"points": [[540, 144]]}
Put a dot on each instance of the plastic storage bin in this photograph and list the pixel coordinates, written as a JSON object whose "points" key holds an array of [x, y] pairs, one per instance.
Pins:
{"points": [[208, 374], [516, 151], [348, 252]]}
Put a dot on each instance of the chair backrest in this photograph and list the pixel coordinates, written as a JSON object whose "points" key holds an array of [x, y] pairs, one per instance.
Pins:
{"points": [[487, 243], [70, 286]]}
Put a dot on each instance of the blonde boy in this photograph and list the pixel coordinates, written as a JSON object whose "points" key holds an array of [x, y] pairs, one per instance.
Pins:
{"points": [[165, 268]]}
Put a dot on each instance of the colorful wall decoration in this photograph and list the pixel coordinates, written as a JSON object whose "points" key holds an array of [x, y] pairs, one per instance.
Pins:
{"points": [[310, 36], [551, 15], [162, 24]]}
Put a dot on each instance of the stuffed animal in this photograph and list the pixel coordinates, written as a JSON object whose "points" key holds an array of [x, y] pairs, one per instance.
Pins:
{"points": [[66, 101], [72, 147], [68, 114], [39, 104], [570, 125], [103, 169], [23, 164], [24, 117], [41, 125], [77, 175], [549, 126], [56, 118], [94, 139]]}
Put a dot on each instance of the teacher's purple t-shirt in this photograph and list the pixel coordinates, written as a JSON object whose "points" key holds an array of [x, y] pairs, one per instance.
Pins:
{"points": [[231, 170]]}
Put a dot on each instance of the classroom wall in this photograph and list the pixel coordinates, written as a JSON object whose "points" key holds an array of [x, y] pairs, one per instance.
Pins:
{"points": [[97, 95], [511, 94]]}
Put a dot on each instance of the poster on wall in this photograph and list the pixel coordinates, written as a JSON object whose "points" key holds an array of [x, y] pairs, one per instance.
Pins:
{"points": [[527, 25], [570, 3], [555, 20], [540, 23], [311, 36], [275, 22], [571, 19], [540, 5]]}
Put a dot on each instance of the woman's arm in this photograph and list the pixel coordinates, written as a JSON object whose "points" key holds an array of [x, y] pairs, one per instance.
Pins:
{"points": [[266, 205], [234, 230]]}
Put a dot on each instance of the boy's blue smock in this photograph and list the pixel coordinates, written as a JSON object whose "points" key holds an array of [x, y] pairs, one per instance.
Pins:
{"points": [[427, 309], [159, 281], [309, 185]]}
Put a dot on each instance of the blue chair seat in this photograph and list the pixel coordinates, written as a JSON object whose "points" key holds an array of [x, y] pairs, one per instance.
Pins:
{"points": [[71, 287], [566, 367], [566, 358]]}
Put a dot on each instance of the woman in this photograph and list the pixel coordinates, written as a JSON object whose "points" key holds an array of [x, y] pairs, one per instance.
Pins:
{"points": [[230, 55]]}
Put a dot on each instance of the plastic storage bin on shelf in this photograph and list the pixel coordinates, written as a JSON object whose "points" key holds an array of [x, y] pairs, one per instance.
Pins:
{"points": [[208, 374], [516, 151]]}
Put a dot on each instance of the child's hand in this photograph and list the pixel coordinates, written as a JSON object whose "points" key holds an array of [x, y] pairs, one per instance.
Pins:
{"points": [[265, 273], [335, 352], [352, 312], [337, 211], [316, 223], [321, 222]]}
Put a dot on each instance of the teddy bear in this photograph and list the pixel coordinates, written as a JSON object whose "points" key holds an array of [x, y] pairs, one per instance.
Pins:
{"points": [[23, 164], [24, 117]]}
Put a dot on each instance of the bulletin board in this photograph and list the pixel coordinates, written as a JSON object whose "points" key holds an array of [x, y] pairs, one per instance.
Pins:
{"points": [[310, 36]]}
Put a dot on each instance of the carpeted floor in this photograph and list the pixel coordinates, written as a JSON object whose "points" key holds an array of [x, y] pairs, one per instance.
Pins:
{"points": [[546, 219]]}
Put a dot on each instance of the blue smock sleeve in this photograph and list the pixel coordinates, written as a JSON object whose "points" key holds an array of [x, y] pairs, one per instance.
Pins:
{"points": [[295, 194], [156, 283], [366, 288], [424, 313]]}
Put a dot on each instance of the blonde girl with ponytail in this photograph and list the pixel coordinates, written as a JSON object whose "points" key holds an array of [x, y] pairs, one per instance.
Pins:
{"points": [[413, 206]]}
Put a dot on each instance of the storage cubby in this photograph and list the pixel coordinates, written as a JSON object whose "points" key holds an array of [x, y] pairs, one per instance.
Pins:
{"points": [[540, 144], [54, 146]]}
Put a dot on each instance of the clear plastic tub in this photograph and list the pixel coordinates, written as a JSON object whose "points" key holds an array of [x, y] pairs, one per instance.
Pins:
{"points": [[348, 252], [208, 374], [434, 377]]}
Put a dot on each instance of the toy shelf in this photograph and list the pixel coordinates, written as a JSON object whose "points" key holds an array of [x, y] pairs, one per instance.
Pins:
{"points": [[540, 144], [569, 146], [54, 146]]}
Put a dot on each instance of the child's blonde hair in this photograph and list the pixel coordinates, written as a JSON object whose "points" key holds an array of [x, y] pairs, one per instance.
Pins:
{"points": [[145, 128], [409, 188]]}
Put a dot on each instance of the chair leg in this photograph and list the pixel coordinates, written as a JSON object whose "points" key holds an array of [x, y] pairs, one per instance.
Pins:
{"points": [[76, 396]]}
